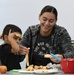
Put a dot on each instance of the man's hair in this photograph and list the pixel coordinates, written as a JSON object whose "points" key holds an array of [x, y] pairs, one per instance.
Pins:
{"points": [[49, 8], [11, 27]]}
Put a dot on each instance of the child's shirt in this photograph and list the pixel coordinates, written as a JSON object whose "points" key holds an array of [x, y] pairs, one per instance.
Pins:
{"points": [[9, 59]]}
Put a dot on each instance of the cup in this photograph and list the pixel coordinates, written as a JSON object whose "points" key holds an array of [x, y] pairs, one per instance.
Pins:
{"points": [[67, 65]]}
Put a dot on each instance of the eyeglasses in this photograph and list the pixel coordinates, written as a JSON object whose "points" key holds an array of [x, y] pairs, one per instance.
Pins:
{"points": [[17, 37]]}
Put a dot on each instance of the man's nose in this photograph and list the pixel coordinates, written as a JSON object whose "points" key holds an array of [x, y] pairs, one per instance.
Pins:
{"points": [[47, 23]]}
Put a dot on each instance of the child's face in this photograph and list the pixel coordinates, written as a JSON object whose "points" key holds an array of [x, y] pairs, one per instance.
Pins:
{"points": [[17, 37]]}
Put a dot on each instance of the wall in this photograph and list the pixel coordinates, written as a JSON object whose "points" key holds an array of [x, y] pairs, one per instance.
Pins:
{"points": [[25, 13]]}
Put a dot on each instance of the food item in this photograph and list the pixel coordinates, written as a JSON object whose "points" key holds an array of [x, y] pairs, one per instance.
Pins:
{"points": [[3, 69], [47, 56], [47, 67], [30, 68], [37, 67]]}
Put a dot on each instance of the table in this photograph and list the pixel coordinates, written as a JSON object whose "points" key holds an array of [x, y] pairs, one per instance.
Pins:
{"points": [[12, 73]]}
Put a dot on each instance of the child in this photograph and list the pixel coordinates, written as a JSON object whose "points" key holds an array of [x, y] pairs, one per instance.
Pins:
{"points": [[9, 50]]}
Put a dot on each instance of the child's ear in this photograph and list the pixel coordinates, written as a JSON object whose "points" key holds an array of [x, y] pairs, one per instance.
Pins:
{"points": [[5, 37]]}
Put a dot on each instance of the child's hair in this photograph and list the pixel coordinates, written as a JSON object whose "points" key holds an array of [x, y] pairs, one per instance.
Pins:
{"points": [[11, 27]]}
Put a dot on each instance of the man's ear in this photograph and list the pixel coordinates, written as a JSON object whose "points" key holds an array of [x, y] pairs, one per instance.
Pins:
{"points": [[39, 17]]}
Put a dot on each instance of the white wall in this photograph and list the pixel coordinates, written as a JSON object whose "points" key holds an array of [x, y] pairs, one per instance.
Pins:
{"points": [[25, 13]]}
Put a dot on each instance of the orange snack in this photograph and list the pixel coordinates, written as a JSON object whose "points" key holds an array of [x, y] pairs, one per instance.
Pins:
{"points": [[3, 69]]}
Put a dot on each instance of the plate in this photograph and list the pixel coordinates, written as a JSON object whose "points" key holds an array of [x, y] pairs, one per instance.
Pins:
{"points": [[39, 71], [46, 71], [26, 72]]}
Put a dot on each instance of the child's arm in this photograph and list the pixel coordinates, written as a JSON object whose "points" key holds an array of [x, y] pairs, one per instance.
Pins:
{"points": [[15, 46]]}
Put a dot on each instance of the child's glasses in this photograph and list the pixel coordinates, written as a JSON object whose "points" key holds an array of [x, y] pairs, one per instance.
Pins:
{"points": [[17, 38]]}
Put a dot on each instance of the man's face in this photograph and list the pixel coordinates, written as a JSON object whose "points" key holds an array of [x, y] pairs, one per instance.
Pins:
{"points": [[47, 21]]}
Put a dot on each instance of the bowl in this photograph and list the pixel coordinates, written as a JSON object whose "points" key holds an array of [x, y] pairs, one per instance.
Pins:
{"points": [[67, 65]]}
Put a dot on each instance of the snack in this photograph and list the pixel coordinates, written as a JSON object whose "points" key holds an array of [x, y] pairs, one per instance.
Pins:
{"points": [[47, 56], [3, 69], [32, 68]]}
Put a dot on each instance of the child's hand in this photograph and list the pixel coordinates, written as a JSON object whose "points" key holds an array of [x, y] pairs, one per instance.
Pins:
{"points": [[23, 50], [14, 41], [11, 35]]}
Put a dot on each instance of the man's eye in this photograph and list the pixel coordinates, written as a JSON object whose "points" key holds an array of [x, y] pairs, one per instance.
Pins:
{"points": [[44, 19], [51, 21]]}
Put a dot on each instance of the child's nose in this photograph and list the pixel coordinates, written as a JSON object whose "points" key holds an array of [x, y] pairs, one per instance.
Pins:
{"points": [[18, 41]]}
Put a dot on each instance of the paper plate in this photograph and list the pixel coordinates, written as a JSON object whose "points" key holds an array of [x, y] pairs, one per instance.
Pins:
{"points": [[26, 72], [39, 71], [46, 71]]}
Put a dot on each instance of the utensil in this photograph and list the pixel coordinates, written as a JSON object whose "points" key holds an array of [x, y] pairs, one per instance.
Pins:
{"points": [[27, 59], [56, 57]]}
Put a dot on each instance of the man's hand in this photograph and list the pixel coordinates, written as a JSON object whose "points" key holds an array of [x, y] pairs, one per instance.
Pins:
{"points": [[52, 58]]}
